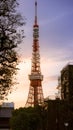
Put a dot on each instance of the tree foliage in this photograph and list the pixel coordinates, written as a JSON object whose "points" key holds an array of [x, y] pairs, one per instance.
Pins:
{"points": [[27, 119], [10, 37]]}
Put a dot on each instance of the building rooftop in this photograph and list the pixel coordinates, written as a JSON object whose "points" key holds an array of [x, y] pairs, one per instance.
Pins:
{"points": [[6, 110]]}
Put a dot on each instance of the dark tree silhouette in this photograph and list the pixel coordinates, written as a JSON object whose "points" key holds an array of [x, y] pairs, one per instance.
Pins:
{"points": [[26, 119], [11, 35]]}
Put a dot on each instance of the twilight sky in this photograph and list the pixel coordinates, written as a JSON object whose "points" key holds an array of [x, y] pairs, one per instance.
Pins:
{"points": [[55, 19]]}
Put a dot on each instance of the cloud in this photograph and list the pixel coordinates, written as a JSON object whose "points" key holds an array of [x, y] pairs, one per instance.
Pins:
{"points": [[56, 18], [52, 78]]}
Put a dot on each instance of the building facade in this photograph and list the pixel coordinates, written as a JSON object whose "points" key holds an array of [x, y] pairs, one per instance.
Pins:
{"points": [[67, 83], [5, 115]]}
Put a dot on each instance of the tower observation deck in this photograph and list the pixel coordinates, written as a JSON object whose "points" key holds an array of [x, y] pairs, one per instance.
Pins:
{"points": [[35, 95]]}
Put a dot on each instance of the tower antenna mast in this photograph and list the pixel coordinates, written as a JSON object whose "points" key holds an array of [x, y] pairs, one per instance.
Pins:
{"points": [[35, 12]]}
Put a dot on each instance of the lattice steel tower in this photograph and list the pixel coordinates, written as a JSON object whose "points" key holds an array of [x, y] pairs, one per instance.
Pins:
{"points": [[35, 95]]}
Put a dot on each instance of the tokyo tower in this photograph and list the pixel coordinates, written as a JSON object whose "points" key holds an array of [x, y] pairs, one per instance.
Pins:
{"points": [[35, 95]]}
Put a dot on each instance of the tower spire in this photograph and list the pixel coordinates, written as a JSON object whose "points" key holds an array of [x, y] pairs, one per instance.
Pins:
{"points": [[35, 95], [35, 12]]}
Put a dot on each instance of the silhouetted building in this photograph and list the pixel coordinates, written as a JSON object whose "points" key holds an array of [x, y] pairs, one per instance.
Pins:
{"points": [[59, 115], [5, 115], [67, 83]]}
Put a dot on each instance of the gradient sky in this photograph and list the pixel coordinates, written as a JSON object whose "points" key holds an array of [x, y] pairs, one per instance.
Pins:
{"points": [[55, 19]]}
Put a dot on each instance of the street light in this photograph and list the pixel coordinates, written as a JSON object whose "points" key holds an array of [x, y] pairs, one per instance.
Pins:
{"points": [[66, 125]]}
